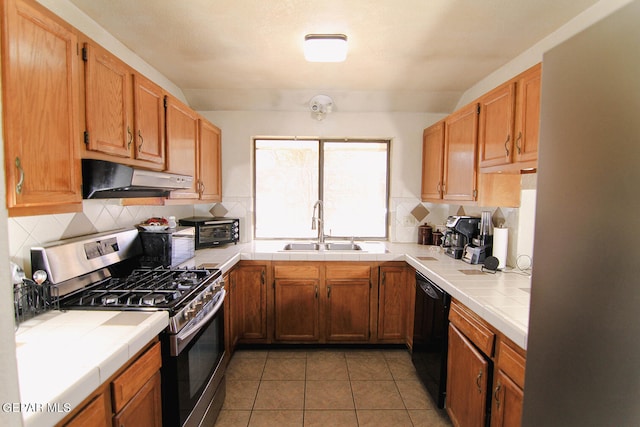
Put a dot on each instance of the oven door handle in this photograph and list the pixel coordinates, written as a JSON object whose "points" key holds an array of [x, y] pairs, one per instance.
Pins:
{"points": [[183, 335]]}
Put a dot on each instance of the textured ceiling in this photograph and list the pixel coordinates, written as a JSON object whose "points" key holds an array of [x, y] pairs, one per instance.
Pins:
{"points": [[404, 55]]}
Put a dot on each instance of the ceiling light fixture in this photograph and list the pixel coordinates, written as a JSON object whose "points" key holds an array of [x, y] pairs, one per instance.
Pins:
{"points": [[325, 47]]}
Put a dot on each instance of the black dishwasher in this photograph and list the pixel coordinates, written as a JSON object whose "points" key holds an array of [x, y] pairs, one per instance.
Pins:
{"points": [[430, 326]]}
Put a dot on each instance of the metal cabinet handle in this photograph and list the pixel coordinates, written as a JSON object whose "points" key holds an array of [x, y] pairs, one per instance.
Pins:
{"points": [[316, 291], [130, 140], [384, 277], [328, 291], [478, 379], [518, 139], [496, 395], [21, 180], [438, 187], [141, 140], [506, 148]]}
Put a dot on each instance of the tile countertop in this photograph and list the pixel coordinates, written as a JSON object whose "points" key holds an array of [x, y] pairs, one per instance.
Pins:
{"points": [[502, 299], [64, 356]]}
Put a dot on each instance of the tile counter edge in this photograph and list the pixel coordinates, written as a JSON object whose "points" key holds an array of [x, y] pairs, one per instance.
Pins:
{"points": [[516, 329]]}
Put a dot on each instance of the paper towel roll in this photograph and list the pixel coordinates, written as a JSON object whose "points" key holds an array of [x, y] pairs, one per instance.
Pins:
{"points": [[500, 243]]}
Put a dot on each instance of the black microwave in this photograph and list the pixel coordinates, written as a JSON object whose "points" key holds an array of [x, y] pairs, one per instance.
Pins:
{"points": [[213, 231]]}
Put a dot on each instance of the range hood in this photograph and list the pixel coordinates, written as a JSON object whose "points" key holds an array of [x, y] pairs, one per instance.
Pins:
{"points": [[108, 180]]}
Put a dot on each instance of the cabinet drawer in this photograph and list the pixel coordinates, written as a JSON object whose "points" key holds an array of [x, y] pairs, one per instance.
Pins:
{"points": [[349, 271], [481, 336], [511, 363], [306, 271], [130, 381]]}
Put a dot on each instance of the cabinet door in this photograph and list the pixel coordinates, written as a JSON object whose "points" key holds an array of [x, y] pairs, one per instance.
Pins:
{"points": [[467, 381], [347, 309], [210, 163], [251, 300], [495, 128], [95, 414], [148, 102], [392, 301], [40, 83], [182, 139], [528, 115], [507, 402], [108, 102], [460, 142], [144, 410], [432, 161], [296, 310], [230, 328]]}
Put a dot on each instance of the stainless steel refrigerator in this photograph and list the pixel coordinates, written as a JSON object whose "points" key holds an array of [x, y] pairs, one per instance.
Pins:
{"points": [[583, 360]]}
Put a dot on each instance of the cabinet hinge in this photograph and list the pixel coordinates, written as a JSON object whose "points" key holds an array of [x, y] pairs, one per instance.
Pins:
{"points": [[475, 194], [165, 102], [478, 109], [84, 54], [86, 137]]}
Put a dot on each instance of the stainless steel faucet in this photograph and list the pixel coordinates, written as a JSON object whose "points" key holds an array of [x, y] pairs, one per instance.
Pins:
{"points": [[318, 220]]}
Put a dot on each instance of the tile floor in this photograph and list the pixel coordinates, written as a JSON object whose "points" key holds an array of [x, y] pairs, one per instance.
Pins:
{"points": [[326, 387]]}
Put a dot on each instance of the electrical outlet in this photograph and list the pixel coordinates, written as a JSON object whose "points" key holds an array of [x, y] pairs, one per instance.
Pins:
{"points": [[409, 221]]}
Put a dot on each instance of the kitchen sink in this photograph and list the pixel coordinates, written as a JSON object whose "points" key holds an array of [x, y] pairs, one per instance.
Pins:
{"points": [[343, 247], [312, 246], [302, 246]]}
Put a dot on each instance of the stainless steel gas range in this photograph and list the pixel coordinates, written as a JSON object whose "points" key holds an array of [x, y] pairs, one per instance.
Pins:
{"points": [[101, 272]]}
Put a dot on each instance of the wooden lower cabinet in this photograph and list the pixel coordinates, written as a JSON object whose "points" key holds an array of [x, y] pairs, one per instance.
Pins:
{"points": [[348, 302], [322, 302], [132, 397], [507, 402], [393, 302], [145, 408], [485, 373], [96, 413], [508, 387], [249, 284], [468, 373]]}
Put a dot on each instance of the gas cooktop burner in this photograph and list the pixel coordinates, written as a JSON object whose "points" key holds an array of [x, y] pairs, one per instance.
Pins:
{"points": [[154, 299], [161, 288], [109, 299]]}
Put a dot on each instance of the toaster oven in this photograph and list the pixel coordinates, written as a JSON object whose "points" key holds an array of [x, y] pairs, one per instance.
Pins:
{"points": [[213, 231]]}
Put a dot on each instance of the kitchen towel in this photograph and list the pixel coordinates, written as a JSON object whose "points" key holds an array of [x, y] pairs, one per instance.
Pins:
{"points": [[500, 243]]}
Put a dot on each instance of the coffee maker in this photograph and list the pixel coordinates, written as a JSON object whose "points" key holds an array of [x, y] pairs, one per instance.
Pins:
{"points": [[459, 233], [480, 246]]}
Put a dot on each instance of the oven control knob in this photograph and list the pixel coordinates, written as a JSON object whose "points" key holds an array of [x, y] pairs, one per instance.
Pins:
{"points": [[188, 313]]}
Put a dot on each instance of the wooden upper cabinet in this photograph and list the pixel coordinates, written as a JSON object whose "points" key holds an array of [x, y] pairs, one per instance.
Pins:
{"points": [[527, 131], [182, 143], [107, 103], [495, 128], [432, 161], [124, 111], [460, 145], [40, 80], [210, 162], [509, 124], [148, 102]]}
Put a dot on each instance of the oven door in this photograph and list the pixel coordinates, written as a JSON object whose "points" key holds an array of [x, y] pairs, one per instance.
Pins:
{"points": [[193, 366], [215, 233]]}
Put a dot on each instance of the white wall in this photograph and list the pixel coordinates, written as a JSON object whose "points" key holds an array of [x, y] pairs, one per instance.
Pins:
{"points": [[403, 129]]}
